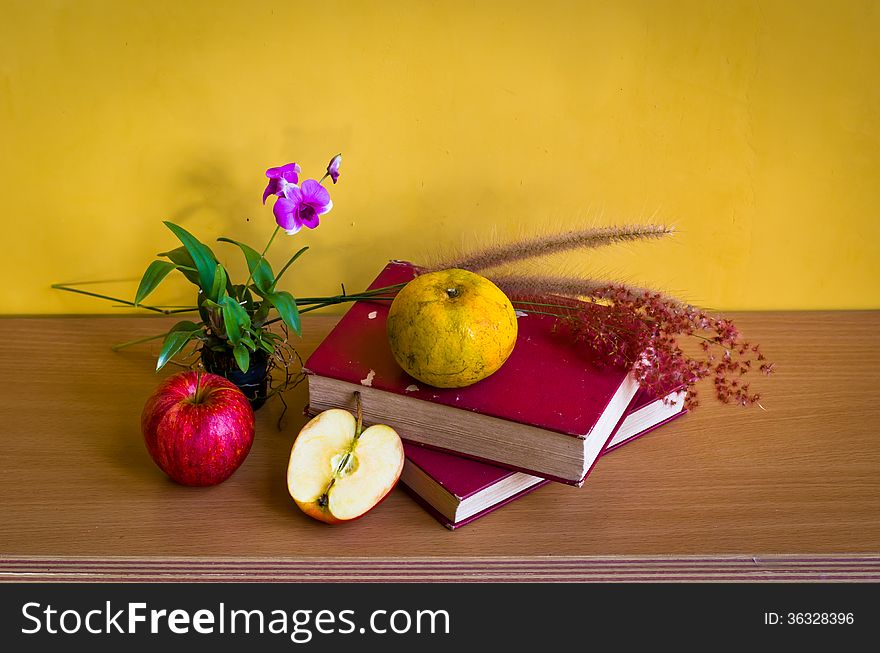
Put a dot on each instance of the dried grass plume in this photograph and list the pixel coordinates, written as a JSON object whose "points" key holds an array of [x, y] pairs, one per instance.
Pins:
{"points": [[542, 245]]}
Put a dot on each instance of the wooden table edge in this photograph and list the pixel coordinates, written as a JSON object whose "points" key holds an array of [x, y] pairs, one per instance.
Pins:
{"points": [[804, 568]]}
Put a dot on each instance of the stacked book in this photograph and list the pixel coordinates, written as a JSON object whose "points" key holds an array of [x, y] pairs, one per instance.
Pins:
{"points": [[547, 415]]}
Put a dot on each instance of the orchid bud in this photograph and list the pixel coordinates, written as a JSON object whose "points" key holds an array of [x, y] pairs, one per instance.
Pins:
{"points": [[333, 168]]}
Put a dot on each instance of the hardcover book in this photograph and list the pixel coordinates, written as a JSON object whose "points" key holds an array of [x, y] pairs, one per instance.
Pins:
{"points": [[549, 411], [645, 414], [457, 491]]}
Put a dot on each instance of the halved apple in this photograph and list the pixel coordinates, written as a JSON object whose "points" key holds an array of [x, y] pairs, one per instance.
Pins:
{"points": [[338, 473]]}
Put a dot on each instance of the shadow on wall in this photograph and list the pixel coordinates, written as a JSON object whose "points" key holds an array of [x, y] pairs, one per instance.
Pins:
{"points": [[361, 238], [357, 236]]}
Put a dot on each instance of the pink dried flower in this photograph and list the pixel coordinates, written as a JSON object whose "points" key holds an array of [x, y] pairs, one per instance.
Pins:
{"points": [[624, 326]]}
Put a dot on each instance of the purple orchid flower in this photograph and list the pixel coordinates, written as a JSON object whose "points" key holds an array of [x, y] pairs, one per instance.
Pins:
{"points": [[280, 179], [300, 206], [333, 168]]}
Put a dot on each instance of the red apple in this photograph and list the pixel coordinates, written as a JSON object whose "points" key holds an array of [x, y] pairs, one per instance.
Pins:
{"points": [[198, 428], [337, 472]]}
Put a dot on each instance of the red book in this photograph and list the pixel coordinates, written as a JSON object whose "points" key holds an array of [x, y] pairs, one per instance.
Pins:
{"points": [[645, 414], [549, 411], [457, 491]]}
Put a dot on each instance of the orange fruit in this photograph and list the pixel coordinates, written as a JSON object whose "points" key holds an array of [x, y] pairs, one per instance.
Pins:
{"points": [[451, 328]]}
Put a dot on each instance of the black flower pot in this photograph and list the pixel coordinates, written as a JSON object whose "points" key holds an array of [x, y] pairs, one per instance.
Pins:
{"points": [[254, 383]]}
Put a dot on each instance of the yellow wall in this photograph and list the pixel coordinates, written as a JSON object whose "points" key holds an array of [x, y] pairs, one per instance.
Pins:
{"points": [[753, 126]]}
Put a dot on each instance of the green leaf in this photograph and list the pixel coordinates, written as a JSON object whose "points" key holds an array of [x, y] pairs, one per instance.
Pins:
{"points": [[183, 260], [180, 334], [243, 293], [242, 357], [285, 304], [218, 285], [235, 319], [287, 265], [262, 312], [266, 346], [259, 268], [156, 271], [187, 325], [246, 340], [202, 256]]}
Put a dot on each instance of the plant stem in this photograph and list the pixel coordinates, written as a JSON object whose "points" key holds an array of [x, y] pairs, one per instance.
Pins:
{"points": [[542, 313], [198, 398], [170, 311], [60, 286], [288, 264], [337, 299], [314, 308], [182, 310], [365, 294], [263, 255], [305, 301], [360, 416], [342, 299], [305, 310], [123, 345], [525, 301], [329, 301], [396, 286]]}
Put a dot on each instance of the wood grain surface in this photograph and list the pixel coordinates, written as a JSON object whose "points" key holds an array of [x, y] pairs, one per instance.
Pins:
{"points": [[787, 493]]}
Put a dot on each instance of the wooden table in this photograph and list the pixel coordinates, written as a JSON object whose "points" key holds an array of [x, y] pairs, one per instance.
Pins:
{"points": [[790, 493]]}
